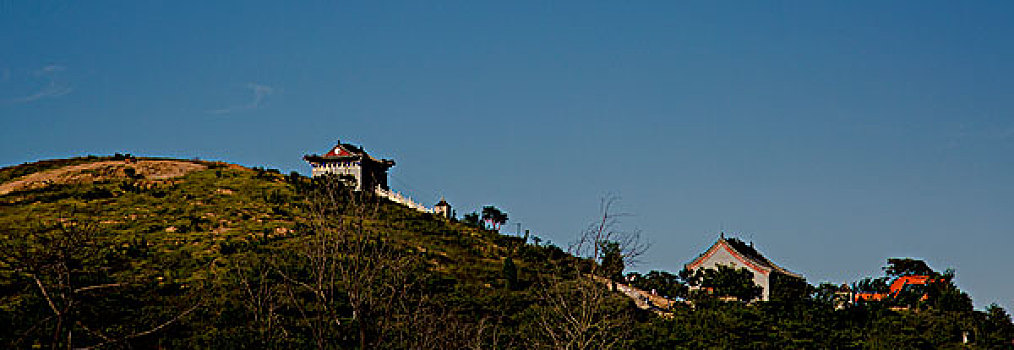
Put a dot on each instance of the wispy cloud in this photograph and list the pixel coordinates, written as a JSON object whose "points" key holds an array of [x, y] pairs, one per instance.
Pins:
{"points": [[260, 94], [54, 87]]}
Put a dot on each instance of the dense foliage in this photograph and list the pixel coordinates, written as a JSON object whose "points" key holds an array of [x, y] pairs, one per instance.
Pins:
{"points": [[662, 283], [230, 257]]}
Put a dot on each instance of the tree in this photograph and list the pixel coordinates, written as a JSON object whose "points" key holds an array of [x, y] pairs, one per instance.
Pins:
{"points": [[606, 228], [829, 295], [536, 240], [576, 310], [510, 273], [943, 294], [898, 267], [726, 281], [346, 271], [612, 261], [261, 294], [79, 281], [472, 219], [132, 173], [788, 289], [871, 285], [495, 217], [998, 330], [661, 282], [580, 313], [995, 313]]}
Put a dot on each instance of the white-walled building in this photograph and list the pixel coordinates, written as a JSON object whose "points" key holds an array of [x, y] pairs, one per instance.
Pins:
{"points": [[443, 209], [352, 163], [736, 254]]}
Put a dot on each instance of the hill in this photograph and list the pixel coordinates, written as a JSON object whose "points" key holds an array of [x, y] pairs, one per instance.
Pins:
{"points": [[178, 253], [114, 252]]}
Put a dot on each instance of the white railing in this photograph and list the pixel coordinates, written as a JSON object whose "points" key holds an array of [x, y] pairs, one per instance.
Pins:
{"points": [[402, 199]]}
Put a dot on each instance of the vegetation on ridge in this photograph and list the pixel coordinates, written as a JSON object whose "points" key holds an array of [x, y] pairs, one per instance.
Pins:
{"points": [[230, 257]]}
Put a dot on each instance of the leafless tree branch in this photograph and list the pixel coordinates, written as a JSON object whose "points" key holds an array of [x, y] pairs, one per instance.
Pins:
{"points": [[581, 313], [147, 332]]}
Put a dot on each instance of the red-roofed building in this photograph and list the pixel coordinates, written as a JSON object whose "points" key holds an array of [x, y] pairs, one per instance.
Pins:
{"points": [[900, 284], [736, 254], [352, 163]]}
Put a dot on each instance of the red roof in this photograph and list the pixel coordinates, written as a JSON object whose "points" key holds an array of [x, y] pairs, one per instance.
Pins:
{"points": [[871, 296], [897, 286], [338, 151], [901, 282], [345, 152]]}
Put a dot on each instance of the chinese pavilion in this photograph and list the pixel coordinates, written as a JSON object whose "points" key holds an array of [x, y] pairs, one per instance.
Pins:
{"points": [[351, 163]]}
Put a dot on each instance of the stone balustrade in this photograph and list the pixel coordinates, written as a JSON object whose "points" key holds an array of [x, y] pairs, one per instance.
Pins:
{"points": [[399, 198]]}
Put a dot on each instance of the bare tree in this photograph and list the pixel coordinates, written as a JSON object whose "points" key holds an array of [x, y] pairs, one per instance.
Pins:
{"points": [[434, 325], [607, 229], [345, 261], [61, 260], [262, 295], [581, 312]]}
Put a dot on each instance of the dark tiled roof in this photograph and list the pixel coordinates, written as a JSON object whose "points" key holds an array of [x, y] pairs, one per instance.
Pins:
{"points": [[353, 148], [347, 151], [747, 252]]}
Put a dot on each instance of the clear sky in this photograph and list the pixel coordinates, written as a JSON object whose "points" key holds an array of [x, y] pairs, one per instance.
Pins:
{"points": [[833, 135]]}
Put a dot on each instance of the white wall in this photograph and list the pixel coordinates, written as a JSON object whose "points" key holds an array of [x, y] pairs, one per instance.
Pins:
{"points": [[723, 257], [334, 168]]}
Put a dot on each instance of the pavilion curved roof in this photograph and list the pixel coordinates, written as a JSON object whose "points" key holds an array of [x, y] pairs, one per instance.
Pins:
{"points": [[344, 151]]}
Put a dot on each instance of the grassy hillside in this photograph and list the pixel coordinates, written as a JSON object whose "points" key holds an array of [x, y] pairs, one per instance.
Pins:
{"points": [[207, 239], [117, 252]]}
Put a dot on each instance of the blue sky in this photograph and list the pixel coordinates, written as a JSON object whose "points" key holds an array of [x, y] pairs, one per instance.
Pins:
{"points": [[833, 135]]}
